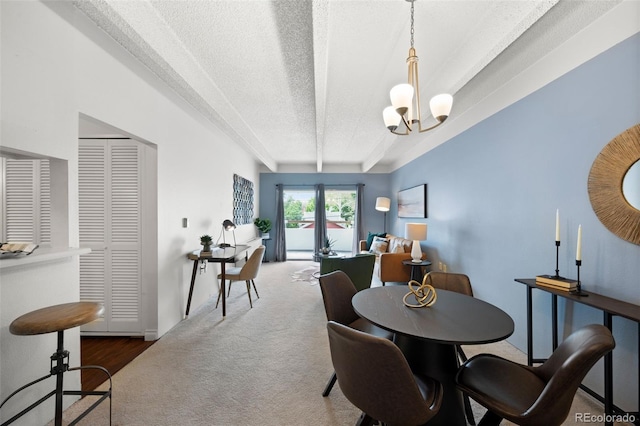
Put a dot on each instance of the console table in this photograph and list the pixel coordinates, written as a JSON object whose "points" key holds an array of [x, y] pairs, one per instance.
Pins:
{"points": [[610, 307], [222, 255]]}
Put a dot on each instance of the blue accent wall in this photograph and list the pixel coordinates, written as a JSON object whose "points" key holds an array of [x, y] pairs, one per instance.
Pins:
{"points": [[494, 191]]}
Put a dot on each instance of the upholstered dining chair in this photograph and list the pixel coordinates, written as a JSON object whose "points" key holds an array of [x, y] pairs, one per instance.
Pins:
{"points": [[358, 268], [533, 396], [374, 375], [459, 283], [337, 292], [247, 273]]}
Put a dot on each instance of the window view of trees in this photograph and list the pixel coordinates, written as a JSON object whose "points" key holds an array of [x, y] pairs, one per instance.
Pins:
{"points": [[343, 202], [300, 206], [292, 212]]}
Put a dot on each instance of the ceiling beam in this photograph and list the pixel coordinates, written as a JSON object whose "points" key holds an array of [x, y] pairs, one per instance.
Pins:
{"points": [[320, 13]]}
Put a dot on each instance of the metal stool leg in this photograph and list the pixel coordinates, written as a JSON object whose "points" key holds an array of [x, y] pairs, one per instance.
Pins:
{"points": [[58, 368]]}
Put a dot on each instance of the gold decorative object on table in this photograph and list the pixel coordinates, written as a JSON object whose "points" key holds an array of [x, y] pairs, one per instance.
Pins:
{"points": [[425, 293]]}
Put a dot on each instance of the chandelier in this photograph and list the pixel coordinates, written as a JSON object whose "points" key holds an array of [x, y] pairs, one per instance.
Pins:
{"points": [[405, 99]]}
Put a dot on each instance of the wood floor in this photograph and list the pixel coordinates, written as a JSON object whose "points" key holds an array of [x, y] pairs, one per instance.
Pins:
{"points": [[112, 353]]}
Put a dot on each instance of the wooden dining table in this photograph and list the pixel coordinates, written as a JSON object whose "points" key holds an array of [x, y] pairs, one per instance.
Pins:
{"points": [[427, 336]]}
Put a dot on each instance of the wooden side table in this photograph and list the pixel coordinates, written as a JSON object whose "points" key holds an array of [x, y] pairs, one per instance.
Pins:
{"points": [[416, 268]]}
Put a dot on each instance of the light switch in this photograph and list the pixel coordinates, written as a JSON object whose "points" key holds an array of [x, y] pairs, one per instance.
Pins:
{"points": [[185, 222]]}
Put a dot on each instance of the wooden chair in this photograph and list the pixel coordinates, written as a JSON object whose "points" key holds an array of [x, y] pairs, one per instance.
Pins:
{"points": [[374, 375], [337, 292], [247, 273], [533, 396]]}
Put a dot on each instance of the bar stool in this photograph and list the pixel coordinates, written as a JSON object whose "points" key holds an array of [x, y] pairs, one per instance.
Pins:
{"points": [[59, 318]]}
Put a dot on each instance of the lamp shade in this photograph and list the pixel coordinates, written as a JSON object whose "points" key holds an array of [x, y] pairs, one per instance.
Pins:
{"points": [[228, 225], [391, 118], [383, 204], [401, 96], [441, 106], [415, 231]]}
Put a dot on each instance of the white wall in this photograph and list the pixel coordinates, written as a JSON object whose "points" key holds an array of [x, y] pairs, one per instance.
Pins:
{"points": [[56, 64]]}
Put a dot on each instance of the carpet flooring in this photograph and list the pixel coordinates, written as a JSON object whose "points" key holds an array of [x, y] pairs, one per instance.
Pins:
{"points": [[262, 366]]}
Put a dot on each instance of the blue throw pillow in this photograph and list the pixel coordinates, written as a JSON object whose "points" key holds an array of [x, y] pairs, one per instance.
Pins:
{"points": [[371, 236]]}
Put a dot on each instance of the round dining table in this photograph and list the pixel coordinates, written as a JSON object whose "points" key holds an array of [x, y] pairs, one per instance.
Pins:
{"points": [[427, 336]]}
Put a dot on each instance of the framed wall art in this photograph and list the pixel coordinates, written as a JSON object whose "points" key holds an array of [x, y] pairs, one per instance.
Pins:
{"points": [[242, 200], [412, 202]]}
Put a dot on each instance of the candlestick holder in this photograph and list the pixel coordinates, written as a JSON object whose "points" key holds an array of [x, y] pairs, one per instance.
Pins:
{"points": [[557, 275], [578, 291]]}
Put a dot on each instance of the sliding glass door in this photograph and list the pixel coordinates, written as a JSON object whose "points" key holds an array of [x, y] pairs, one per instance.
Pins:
{"points": [[299, 215]]}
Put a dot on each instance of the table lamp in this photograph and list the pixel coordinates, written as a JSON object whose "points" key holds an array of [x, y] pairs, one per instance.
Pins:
{"points": [[227, 225], [416, 232], [383, 204]]}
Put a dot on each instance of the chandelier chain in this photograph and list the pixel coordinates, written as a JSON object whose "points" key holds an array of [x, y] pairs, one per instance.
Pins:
{"points": [[412, 23]]}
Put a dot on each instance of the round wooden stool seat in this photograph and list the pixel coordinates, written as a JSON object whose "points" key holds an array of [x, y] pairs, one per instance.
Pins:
{"points": [[56, 318]]}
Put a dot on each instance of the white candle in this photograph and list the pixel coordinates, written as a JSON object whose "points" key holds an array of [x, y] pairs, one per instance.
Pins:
{"points": [[557, 225], [579, 247]]}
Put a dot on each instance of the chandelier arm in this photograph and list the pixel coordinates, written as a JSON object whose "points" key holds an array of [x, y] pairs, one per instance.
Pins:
{"points": [[406, 132], [421, 130], [407, 124]]}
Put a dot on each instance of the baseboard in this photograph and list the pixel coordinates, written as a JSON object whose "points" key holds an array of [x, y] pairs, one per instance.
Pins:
{"points": [[151, 335]]}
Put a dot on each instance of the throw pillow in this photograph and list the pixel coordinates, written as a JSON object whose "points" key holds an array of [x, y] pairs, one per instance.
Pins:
{"points": [[398, 249], [379, 245], [371, 236]]}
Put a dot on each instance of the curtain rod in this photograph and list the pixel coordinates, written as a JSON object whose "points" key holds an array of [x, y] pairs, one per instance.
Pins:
{"points": [[325, 184]]}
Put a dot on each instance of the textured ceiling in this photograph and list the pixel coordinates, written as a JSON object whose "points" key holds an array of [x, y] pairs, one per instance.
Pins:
{"points": [[302, 84]]}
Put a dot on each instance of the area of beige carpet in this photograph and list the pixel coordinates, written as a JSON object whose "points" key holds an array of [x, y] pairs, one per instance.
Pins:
{"points": [[262, 366]]}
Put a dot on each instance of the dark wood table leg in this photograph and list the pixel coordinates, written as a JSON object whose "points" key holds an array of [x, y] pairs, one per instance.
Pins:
{"points": [[223, 286], [608, 375], [440, 362], [554, 321], [193, 281], [529, 327]]}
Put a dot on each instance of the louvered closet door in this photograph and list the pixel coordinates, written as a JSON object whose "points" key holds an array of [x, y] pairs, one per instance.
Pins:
{"points": [[109, 206]]}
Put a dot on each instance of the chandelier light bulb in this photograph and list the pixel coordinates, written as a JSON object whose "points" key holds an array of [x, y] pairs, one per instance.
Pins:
{"points": [[441, 106], [401, 96], [391, 118]]}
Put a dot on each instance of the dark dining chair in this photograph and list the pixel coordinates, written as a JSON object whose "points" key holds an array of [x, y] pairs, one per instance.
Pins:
{"points": [[337, 292], [247, 273], [374, 375], [533, 396], [459, 283]]}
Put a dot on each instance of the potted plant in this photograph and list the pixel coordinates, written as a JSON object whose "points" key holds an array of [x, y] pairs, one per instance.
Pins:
{"points": [[206, 241], [264, 226], [327, 245]]}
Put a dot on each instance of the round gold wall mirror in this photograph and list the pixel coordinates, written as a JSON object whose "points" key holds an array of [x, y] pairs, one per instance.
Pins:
{"points": [[631, 185], [614, 185]]}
